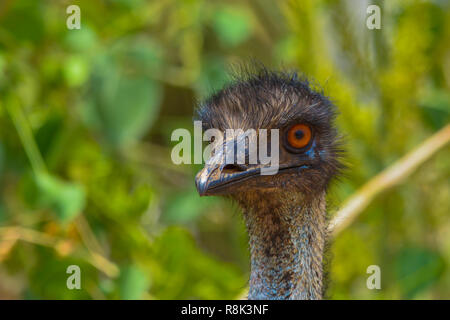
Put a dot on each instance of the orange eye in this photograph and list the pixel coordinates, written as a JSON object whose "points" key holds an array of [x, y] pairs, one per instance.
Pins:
{"points": [[299, 136]]}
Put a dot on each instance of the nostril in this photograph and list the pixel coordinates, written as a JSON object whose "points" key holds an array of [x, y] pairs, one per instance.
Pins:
{"points": [[230, 168]]}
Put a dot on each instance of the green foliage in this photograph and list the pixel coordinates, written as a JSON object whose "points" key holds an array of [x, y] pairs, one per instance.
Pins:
{"points": [[417, 269], [132, 283], [65, 199], [232, 25], [188, 273], [86, 117], [46, 278]]}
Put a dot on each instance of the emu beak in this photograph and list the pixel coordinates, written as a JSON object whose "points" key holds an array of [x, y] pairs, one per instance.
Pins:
{"points": [[214, 179], [217, 175], [206, 176]]}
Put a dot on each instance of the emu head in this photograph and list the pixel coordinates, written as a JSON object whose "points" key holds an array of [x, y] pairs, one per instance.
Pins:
{"points": [[307, 144]]}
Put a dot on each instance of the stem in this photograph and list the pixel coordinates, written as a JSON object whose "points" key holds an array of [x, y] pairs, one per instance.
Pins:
{"points": [[389, 177], [26, 135]]}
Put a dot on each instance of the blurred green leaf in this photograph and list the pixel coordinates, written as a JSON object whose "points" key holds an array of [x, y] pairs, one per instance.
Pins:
{"points": [[107, 286], [121, 106], [232, 25], [143, 54], [436, 107], [76, 70], [185, 207], [81, 39], [66, 199], [48, 133], [213, 76], [416, 269], [133, 283]]}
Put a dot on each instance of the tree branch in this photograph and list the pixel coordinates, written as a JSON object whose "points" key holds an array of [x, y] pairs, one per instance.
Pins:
{"points": [[389, 177]]}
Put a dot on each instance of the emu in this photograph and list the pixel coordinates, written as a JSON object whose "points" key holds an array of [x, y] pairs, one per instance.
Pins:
{"points": [[285, 213]]}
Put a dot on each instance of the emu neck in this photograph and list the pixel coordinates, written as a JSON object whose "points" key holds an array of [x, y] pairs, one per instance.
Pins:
{"points": [[287, 239]]}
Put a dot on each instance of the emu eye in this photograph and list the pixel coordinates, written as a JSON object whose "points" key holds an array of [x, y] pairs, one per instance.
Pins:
{"points": [[299, 136]]}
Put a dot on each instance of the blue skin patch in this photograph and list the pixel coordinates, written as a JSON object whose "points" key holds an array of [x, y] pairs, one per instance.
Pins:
{"points": [[312, 154]]}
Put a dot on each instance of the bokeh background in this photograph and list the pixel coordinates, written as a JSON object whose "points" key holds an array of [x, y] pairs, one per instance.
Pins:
{"points": [[85, 123]]}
